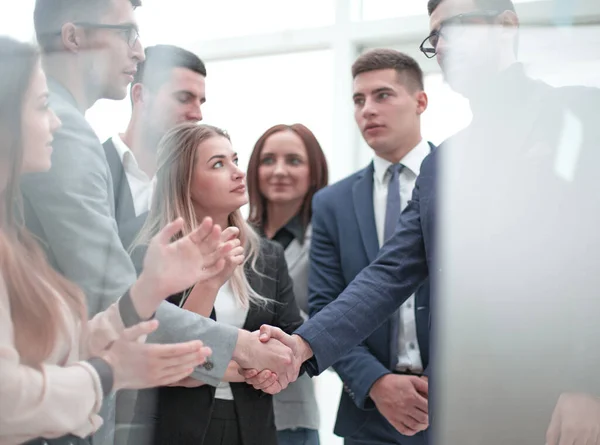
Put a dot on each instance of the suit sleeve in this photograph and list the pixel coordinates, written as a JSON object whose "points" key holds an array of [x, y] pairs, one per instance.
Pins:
{"points": [[375, 293], [71, 204], [358, 369]]}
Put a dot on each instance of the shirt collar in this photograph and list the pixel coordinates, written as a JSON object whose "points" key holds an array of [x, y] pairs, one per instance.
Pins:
{"points": [[412, 161], [295, 227], [122, 149]]}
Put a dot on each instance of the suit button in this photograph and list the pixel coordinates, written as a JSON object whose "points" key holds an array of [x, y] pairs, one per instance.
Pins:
{"points": [[208, 365], [411, 346]]}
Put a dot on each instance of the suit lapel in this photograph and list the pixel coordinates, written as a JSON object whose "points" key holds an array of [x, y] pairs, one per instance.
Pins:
{"points": [[362, 193]]}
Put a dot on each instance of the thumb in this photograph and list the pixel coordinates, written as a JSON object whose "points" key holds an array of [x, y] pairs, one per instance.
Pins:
{"points": [[271, 332], [169, 231], [422, 386], [143, 328]]}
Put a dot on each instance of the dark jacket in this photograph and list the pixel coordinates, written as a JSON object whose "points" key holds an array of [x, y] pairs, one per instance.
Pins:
{"points": [[183, 414]]}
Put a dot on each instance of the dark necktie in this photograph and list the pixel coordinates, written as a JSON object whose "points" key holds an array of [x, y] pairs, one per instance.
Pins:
{"points": [[392, 208]]}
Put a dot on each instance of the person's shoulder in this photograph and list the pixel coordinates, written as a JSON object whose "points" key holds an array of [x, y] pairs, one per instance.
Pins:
{"points": [[342, 187]]}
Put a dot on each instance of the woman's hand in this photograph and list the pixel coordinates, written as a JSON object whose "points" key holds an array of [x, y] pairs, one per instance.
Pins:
{"points": [[171, 267], [138, 365], [202, 297]]}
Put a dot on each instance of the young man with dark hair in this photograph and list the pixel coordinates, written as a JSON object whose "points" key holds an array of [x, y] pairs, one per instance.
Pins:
{"points": [[168, 89], [521, 182], [91, 51], [384, 399]]}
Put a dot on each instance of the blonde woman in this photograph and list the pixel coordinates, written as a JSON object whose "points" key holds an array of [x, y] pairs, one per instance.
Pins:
{"points": [[198, 176]]}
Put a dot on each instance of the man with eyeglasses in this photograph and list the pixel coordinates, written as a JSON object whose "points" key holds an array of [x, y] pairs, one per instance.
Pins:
{"points": [[90, 50], [520, 184]]}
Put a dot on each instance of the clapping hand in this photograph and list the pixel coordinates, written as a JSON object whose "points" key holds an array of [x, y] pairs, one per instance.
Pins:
{"points": [[173, 266]]}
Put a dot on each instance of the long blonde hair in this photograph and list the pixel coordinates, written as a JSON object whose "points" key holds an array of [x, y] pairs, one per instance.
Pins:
{"points": [[177, 154]]}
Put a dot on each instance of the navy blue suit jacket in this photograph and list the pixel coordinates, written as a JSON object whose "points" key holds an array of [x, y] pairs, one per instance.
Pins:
{"points": [[344, 242], [411, 249]]}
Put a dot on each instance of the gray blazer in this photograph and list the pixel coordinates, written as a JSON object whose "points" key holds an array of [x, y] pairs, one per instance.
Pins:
{"points": [[296, 406], [71, 209]]}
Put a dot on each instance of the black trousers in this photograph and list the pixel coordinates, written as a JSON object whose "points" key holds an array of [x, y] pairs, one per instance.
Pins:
{"points": [[223, 428], [65, 440]]}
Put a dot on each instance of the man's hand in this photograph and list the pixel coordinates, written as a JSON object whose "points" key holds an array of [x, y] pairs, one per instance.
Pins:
{"points": [[575, 421], [402, 400], [170, 267], [272, 380]]}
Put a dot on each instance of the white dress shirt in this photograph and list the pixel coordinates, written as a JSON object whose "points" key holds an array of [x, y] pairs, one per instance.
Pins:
{"points": [[409, 354], [229, 311], [141, 186]]}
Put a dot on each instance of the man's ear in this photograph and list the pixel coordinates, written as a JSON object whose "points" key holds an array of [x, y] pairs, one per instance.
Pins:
{"points": [[422, 102], [138, 94], [71, 38]]}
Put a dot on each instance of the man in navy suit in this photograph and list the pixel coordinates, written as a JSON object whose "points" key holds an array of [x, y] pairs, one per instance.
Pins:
{"points": [[523, 177], [384, 399]]}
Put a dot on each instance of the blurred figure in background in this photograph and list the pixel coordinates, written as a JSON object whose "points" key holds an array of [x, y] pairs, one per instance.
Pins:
{"points": [[384, 399], [55, 367], [198, 176], [168, 88], [287, 167]]}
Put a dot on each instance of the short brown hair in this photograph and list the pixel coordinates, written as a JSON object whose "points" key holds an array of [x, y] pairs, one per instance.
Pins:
{"points": [[317, 166], [407, 68]]}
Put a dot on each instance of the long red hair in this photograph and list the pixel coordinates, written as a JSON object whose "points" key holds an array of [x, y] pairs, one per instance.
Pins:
{"points": [[37, 315]]}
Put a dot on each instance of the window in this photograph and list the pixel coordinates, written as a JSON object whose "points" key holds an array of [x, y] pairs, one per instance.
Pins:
{"points": [[181, 22], [247, 96]]}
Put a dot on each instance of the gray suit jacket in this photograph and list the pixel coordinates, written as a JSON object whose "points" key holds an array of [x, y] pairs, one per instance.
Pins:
{"points": [[296, 406], [71, 209]]}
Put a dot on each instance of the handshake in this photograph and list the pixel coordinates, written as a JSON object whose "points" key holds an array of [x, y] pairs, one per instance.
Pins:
{"points": [[270, 359]]}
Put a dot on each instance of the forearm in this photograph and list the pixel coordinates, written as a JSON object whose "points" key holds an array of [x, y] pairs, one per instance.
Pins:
{"points": [[201, 299], [178, 325], [232, 374]]}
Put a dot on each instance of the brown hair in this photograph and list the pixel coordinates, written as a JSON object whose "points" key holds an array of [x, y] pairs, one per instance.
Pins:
{"points": [[177, 152], [37, 315], [409, 71], [319, 174]]}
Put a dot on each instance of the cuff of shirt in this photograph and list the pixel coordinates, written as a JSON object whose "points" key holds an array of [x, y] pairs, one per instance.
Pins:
{"points": [[129, 315], [105, 372]]}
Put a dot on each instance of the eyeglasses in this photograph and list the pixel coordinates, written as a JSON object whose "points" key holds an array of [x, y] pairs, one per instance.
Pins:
{"points": [[129, 31], [429, 45]]}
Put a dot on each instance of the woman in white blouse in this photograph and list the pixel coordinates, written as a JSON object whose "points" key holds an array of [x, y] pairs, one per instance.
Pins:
{"points": [[55, 366]]}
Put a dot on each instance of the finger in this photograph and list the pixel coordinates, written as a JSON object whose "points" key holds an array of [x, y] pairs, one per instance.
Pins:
{"points": [[176, 350], [140, 329], [229, 234], [194, 359], [268, 332], [417, 416], [168, 379], [212, 271], [420, 403], [169, 231], [411, 425], [207, 231], [275, 388], [263, 380], [248, 373], [422, 386]]}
